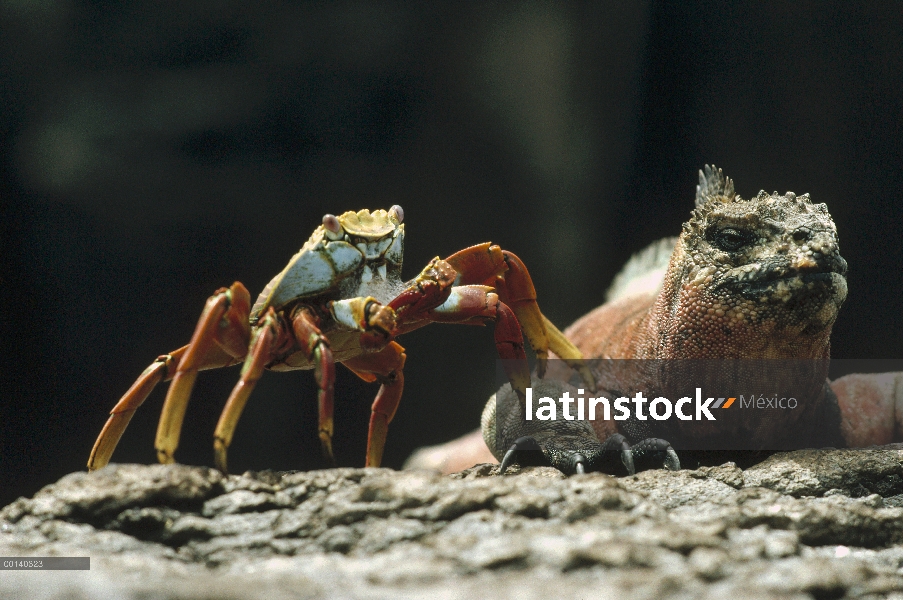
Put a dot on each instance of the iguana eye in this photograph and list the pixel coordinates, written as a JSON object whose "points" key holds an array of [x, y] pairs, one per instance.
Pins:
{"points": [[730, 239]]}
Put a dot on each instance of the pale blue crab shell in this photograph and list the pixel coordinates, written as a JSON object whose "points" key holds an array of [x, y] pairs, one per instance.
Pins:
{"points": [[321, 265]]}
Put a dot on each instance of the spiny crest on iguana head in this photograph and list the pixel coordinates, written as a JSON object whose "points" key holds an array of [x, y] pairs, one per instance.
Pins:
{"points": [[713, 185], [714, 189]]}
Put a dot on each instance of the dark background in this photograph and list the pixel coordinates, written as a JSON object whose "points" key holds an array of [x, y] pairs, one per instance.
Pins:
{"points": [[155, 151]]}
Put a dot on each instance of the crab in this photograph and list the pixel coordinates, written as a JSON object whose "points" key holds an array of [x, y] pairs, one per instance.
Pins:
{"points": [[341, 299]]}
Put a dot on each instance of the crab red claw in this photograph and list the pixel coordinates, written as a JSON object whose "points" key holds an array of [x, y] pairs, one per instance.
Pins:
{"points": [[488, 264], [340, 299]]}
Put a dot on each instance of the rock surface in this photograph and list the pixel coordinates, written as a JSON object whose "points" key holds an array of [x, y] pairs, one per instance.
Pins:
{"points": [[807, 524]]}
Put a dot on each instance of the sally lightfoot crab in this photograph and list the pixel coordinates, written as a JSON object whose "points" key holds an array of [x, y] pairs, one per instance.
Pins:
{"points": [[341, 299]]}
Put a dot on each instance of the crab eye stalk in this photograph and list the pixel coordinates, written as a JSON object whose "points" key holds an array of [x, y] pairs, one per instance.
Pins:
{"points": [[333, 227], [396, 213]]}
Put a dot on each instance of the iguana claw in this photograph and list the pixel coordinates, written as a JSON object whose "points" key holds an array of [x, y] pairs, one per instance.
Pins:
{"points": [[524, 451], [651, 453]]}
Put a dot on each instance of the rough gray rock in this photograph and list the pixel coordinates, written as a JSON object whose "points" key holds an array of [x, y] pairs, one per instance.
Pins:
{"points": [[807, 524]]}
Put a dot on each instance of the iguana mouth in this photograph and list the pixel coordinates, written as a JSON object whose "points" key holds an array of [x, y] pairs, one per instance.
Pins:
{"points": [[819, 279], [805, 276]]}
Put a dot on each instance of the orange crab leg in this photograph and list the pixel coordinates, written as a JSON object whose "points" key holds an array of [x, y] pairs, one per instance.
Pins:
{"points": [[478, 303], [490, 265], [223, 323], [164, 369], [567, 352], [385, 366], [516, 288], [264, 342], [510, 345], [161, 369], [482, 263], [316, 346]]}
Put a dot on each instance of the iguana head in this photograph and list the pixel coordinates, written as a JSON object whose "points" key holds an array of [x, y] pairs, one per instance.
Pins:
{"points": [[758, 278]]}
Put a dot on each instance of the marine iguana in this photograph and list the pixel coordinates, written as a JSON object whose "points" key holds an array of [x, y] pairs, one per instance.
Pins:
{"points": [[753, 279]]}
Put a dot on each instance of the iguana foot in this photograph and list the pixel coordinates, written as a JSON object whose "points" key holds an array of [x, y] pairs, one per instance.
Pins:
{"points": [[608, 457], [568, 444]]}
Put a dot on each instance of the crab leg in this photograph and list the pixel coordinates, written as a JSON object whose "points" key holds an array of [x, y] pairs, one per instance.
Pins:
{"points": [[316, 347], [430, 298], [268, 334], [488, 264], [569, 353], [223, 323], [163, 369], [475, 304], [385, 366]]}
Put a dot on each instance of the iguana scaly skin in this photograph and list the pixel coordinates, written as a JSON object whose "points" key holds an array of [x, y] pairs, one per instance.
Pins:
{"points": [[754, 279]]}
